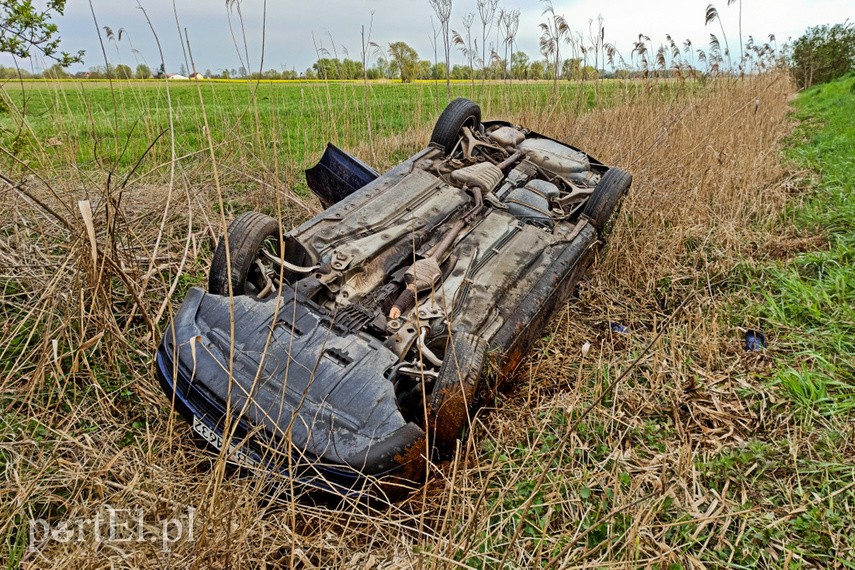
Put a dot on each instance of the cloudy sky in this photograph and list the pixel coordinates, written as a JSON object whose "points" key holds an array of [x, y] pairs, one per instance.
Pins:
{"points": [[294, 29]]}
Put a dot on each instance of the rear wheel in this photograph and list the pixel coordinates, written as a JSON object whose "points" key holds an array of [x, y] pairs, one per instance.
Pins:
{"points": [[458, 114], [603, 202], [250, 236]]}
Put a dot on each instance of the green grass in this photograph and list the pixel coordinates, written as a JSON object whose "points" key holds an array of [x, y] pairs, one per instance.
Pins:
{"points": [[806, 304], [97, 125], [809, 301]]}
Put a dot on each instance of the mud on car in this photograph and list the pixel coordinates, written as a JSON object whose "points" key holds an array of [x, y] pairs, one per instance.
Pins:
{"points": [[347, 352]]}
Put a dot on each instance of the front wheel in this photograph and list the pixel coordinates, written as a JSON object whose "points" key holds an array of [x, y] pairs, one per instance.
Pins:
{"points": [[250, 236], [603, 202], [458, 114]]}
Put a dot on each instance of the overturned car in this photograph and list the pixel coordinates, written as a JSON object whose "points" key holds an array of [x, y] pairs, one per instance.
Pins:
{"points": [[347, 352]]}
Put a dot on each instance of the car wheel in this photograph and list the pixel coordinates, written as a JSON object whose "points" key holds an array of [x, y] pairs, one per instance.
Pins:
{"points": [[458, 114], [603, 202], [249, 235], [455, 389]]}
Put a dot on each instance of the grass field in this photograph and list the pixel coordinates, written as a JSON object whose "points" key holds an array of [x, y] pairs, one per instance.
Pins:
{"points": [[702, 455], [81, 118]]}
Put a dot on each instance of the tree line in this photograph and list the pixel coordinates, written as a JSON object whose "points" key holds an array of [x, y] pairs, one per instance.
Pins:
{"points": [[400, 63], [403, 63]]}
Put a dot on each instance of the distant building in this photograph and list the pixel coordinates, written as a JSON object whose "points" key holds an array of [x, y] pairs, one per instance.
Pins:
{"points": [[197, 75], [176, 76]]}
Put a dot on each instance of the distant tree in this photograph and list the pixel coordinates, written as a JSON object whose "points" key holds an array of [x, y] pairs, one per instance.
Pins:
{"points": [[382, 65], [24, 28], [519, 65], [438, 71], [351, 69], [549, 71], [461, 72], [536, 70], [55, 71], [123, 71], [823, 53], [589, 73], [424, 69], [571, 69], [225, 74], [183, 70], [327, 68], [404, 61], [14, 73], [143, 71], [100, 72], [497, 67]]}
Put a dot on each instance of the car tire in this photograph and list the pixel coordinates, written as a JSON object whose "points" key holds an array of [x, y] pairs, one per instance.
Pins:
{"points": [[603, 203], [455, 390], [247, 234], [459, 113]]}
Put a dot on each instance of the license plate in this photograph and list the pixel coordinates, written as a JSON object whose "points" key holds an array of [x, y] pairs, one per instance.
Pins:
{"points": [[235, 455]]}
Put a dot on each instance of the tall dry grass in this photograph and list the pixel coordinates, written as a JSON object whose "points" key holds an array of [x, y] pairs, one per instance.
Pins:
{"points": [[85, 427]]}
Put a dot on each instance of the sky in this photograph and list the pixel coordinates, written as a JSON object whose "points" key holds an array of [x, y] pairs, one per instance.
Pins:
{"points": [[294, 31]]}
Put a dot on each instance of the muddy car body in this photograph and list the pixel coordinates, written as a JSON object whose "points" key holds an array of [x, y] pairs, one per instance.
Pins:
{"points": [[347, 351]]}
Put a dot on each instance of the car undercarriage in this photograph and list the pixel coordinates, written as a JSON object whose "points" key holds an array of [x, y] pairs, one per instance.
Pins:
{"points": [[349, 351]]}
